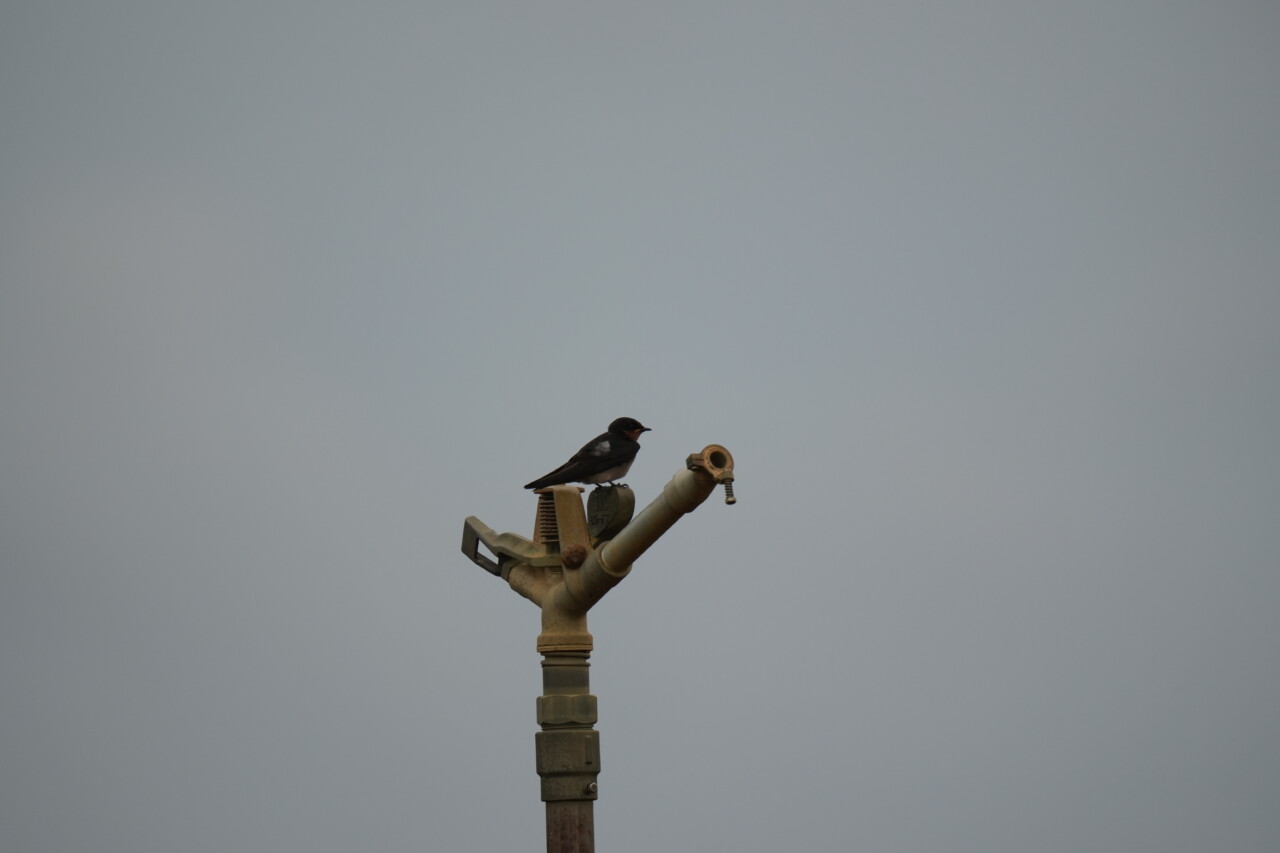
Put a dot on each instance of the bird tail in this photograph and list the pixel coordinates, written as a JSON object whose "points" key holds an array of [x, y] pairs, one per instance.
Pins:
{"points": [[542, 482]]}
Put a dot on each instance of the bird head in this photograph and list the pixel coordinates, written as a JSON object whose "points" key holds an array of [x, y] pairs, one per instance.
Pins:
{"points": [[630, 427]]}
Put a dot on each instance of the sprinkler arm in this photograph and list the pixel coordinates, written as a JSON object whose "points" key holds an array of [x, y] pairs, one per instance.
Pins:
{"points": [[565, 606], [610, 562]]}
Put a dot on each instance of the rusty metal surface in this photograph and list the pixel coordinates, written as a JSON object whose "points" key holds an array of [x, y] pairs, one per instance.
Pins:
{"points": [[571, 827]]}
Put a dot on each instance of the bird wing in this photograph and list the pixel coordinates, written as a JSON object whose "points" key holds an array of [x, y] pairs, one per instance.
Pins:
{"points": [[594, 455]]}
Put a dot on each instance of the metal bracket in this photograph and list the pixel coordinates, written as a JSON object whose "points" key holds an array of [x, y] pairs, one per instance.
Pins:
{"points": [[508, 547]]}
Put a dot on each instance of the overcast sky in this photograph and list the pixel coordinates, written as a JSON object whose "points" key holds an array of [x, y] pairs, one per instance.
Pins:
{"points": [[982, 297]]}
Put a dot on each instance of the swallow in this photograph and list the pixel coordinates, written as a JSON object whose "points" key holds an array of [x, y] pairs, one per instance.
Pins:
{"points": [[603, 459]]}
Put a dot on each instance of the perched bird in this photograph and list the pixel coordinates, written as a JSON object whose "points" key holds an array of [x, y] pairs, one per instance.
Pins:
{"points": [[603, 459]]}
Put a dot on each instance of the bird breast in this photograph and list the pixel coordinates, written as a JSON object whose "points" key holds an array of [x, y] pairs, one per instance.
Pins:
{"points": [[608, 476]]}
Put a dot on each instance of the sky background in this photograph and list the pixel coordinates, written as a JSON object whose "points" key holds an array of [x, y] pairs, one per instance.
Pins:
{"points": [[982, 297]]}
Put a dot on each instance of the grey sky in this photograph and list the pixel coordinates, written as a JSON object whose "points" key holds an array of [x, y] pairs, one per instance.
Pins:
{"points": [[983, 298]]}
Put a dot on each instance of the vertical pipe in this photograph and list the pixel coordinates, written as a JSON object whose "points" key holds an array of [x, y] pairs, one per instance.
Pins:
{"points": [[568, 750], [570, 827]]}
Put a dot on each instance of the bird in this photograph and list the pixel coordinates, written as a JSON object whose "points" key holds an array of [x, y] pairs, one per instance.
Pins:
{"points": [[603, 459]]}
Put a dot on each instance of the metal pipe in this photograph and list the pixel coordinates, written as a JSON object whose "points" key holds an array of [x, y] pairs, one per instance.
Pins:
{"points": [[571, 826], [609, 563]]}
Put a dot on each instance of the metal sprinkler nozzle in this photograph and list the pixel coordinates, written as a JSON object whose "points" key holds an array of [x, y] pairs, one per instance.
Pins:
{"points": [[717, 462]]}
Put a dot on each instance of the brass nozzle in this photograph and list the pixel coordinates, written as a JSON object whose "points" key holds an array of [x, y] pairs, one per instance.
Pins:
{"points": [[718, 462]]}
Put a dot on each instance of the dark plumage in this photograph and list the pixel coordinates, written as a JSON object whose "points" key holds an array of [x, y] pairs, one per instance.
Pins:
{"points": [[603, 459]]}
